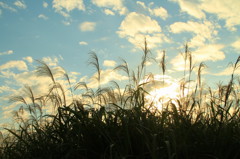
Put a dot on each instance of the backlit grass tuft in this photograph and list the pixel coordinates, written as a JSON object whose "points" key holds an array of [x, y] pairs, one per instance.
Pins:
{"points": [[114, 122]]}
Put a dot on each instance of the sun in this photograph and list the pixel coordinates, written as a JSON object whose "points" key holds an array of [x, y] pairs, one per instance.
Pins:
{"points": [[160, 90]]}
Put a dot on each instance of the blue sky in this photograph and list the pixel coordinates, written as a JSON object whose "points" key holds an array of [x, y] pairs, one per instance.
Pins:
{"points": [[63, 32]]}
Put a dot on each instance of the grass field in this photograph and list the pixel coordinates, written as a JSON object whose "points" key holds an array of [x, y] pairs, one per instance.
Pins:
{"points": [[112, 122]]}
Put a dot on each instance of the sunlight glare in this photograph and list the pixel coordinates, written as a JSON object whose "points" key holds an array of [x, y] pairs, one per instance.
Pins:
{"points": [[161, 92]]}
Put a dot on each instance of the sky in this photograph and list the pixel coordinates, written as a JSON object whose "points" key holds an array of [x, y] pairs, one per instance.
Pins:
{"points": [[62, 33]]}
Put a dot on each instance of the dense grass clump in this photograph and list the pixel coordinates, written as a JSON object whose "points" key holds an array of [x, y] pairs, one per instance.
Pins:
{"points": [[113, 123]]}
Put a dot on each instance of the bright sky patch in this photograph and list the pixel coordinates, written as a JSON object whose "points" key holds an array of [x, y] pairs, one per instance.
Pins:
{"points": [[61, 33]]}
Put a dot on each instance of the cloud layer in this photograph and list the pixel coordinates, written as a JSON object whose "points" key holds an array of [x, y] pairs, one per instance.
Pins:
{"points": [[136, 27], [227, 10], [116, 5], [63, 7], [87, 26]]}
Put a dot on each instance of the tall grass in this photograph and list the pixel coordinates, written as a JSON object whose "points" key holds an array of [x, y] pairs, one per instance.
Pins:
{"points": [[111, 122]]}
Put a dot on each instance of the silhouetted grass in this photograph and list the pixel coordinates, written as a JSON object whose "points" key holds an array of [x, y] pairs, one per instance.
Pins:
{"points": [[112, 123]]}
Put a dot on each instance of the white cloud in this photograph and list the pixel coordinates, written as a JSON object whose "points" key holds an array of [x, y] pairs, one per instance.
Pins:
{"points": [[75, 73], [20, 65], [39, 84], [142, 4], [68, 5], [20, 4], [6, 73], [211, 52], [228, 71], [191, 7], [6, 52], [4, 89], [224, 9], [109, 63], [116, 5], [148, 63], [205, 28], [51, 61], [28, 59], [5, 6], [178, 63], [87, 26], [83, 43], [12, 106], [236, 45], [84, 79], [7, 114], [152, 40], [158, 11], [106, 76], [203, 31], [42, 16], [108, 12], [135, 23], [159, 55], [63, 7], [63, 13], [135, 27], [45, 4], [227, 10]]}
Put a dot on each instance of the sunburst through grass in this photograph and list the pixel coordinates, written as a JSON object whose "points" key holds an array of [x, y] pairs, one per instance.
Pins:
{"points": [[150, 117], [160, 93]]}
